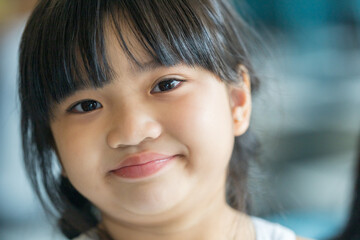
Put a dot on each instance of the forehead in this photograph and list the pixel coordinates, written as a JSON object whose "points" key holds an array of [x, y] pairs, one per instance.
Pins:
{"points": [[125, 52]]}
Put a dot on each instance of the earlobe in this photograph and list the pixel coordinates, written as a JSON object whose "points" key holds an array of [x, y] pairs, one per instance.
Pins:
{"points": [[241, 120], [241, 102], [238, 113]]}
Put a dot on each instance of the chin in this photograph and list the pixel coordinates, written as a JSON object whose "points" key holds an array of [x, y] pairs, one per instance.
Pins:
{"points": [[154, 202]]}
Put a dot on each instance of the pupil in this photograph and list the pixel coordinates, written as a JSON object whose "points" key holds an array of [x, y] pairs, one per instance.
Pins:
{"points": [[166, 85], [88, 106]]}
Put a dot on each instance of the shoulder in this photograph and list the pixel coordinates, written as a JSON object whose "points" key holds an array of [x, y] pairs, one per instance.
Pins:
{"points": [[265, 230]]}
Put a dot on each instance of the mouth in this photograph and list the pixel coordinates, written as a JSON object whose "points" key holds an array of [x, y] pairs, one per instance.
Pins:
{"points": [[142, 165]]}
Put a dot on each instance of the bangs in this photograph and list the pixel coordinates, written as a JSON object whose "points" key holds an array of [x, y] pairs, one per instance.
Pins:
{"points": [[63, 47]]}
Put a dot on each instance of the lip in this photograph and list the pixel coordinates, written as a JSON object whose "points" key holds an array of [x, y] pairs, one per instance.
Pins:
{"points": [[142, 165]]}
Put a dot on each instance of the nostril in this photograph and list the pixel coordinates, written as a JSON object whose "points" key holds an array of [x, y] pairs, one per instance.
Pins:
{"points": [[134, 134]]}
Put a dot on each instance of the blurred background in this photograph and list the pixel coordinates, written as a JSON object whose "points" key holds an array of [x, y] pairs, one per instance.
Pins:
{"points": [[306, 116]]}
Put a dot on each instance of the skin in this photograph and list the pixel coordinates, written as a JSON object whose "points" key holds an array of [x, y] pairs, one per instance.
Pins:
{"points": [[196, 120]]}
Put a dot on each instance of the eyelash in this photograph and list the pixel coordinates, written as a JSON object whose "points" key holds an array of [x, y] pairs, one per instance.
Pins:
{"points": [[98, 105], [80, 104], [169, 80]]}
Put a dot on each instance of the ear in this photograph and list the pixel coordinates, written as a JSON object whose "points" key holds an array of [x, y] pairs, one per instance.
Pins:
{"points": [[240, 101]]}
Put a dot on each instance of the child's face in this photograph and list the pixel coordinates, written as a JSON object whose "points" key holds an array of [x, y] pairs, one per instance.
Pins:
{"points": [[189, 118]]}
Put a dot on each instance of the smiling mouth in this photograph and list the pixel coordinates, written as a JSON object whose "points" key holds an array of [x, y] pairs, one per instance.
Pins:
{"points": [[142, 165]]}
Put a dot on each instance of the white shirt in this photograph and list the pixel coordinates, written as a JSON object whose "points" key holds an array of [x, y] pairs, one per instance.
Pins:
{"points": [[264, 230]]}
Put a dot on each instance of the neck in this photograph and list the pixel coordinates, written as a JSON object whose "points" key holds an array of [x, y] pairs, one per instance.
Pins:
{"points": [[212, 220]]}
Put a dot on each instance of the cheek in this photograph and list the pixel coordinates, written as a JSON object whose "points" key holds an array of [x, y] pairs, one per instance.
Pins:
{"points": [[79, 159], [203, 123], [76, 149]]}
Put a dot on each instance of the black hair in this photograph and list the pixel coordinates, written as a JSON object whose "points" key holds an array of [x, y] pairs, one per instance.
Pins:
{"points": [[63, 50], [351, 230]]}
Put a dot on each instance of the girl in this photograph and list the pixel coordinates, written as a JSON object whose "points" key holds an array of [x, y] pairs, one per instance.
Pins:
{"points": [[139, 104]]}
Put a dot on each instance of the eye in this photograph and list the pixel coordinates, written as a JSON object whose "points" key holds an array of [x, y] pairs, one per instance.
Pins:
{"points": [[85, 106], [166, 85]]}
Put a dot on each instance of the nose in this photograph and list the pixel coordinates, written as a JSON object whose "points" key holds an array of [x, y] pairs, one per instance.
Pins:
{"points": [[131, 126]]}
